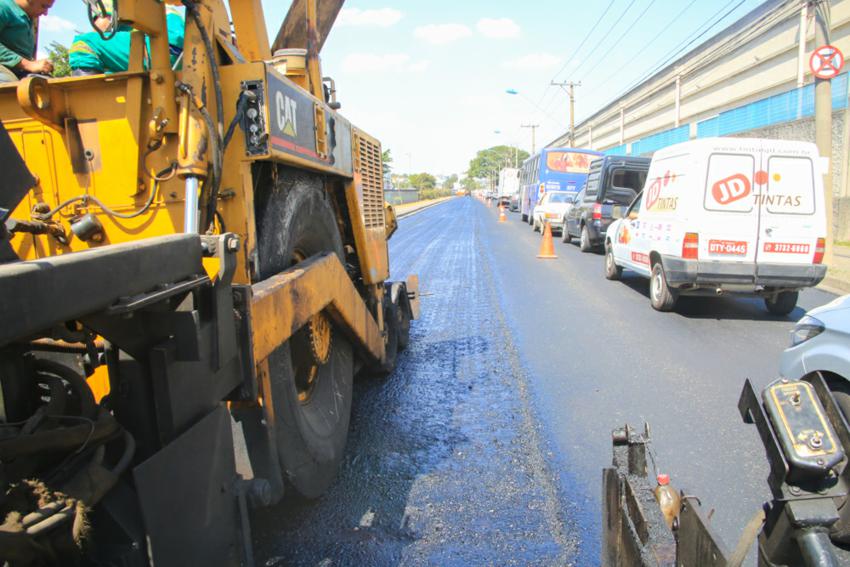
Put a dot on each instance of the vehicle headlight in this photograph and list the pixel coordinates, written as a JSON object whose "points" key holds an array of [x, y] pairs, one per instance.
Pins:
{"points": [[806, 328]]}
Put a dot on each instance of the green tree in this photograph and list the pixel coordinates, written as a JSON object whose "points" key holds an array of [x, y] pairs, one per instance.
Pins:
{"points": [[422, 181], [387, 160], [494, 159], [58, 55], [450, 181]]}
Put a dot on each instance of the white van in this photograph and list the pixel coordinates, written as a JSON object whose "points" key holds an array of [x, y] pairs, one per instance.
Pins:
{"points": [[726, 215]]}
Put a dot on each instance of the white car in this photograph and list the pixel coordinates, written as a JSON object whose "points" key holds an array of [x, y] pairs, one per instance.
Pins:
{"points": [[552, 208], [820, 342], [726, 215]]}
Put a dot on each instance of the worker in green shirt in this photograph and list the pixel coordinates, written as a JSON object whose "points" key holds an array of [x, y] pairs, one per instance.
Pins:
{"points": [[91, 54], [17, 39]]}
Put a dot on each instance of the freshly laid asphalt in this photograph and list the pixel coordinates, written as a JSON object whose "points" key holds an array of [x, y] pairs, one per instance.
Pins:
{"points": [[486, 445]]}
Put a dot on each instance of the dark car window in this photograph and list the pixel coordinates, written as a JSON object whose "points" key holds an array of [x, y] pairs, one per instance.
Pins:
{"points": [[623, 184], [592, 185]]}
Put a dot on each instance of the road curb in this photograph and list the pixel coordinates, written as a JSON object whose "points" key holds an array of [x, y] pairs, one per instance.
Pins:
{"points": [[834, 285], [422, 208]]}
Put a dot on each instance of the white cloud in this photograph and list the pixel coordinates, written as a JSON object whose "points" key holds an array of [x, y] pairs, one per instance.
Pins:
{"points": [[379, 17], [54, 24], [532, 61], [441, 34], [419, 66], [382, 63], [499, 28]]}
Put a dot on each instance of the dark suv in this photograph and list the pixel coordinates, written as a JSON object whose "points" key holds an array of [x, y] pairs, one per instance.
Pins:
{"points": [[612, 184]]}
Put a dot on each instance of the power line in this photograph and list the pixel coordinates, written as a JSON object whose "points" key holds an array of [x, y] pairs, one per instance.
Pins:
{"points": [[690, 41], [604, 37], [577, 49], [765, 22], [623, 36], [645, 47], [712, 22]]}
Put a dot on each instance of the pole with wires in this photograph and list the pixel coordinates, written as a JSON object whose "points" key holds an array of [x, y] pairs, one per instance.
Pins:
{"points": [[569, 86], [823, 121], [533, 127]]}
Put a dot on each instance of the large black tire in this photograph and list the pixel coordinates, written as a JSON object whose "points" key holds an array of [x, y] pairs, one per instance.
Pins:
{"points": [[661, 296], [565, 235], [612, 270], [584, 241], [295, 221], [783, 303]]}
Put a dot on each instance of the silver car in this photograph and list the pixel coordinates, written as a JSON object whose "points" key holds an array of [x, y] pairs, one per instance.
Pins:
{"points": [[820, 342]]}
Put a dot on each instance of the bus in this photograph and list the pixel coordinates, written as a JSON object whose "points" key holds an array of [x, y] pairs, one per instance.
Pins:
{"points": [[552, 169]]}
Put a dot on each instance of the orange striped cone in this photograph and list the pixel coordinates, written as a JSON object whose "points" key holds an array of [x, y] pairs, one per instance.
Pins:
{"points": [[502, 217], [547, 247]]}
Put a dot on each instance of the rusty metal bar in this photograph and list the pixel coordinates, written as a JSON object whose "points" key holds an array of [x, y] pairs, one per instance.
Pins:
{"points": [[284, 303]]}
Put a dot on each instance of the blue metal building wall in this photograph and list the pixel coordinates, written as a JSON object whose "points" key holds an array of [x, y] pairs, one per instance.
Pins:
{"points": [[661, 140], [784, 107]]}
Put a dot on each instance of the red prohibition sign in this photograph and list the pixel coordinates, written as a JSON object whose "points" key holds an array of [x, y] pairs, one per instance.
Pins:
{"points": [[826, 62]]}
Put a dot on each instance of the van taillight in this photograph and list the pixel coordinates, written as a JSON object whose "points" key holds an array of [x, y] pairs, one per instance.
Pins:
{"points": [[597, 211], [820, 248], [690, 246]]}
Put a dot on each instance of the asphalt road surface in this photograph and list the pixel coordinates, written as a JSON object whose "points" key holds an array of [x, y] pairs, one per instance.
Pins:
{"points": [[486, 445]]}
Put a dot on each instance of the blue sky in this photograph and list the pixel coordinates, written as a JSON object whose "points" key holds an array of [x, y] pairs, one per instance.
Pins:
{"points": [[429, 78]]}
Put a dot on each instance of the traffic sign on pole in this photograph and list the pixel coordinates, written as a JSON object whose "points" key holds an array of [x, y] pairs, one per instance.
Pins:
{"points": [[826, 62]]}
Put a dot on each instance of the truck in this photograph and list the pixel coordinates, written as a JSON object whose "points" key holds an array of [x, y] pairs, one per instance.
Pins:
{"points": [[508, 185], [193, 268]]}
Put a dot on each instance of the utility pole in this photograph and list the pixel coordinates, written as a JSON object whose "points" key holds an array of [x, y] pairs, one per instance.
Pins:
{"points": [[569, 87], [823, 122], [534, 128]]}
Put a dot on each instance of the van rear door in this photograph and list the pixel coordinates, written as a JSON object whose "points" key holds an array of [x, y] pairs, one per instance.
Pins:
{"points": [[791, 204], [728, 224]]}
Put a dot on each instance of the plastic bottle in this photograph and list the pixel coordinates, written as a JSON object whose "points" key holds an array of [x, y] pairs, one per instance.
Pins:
{"points": [[668, 499]]}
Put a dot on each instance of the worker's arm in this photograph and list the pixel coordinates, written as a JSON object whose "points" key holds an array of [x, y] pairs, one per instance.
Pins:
{"points": [[9, 58]]}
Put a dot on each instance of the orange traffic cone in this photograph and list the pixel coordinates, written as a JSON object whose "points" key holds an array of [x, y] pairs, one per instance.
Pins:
{"points": [[547, 247], [502, 217]]}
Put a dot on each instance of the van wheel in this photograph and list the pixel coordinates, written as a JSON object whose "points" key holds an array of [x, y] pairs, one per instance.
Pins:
{"points": [[584, 240], [612, 270], [565, 234], [782, 303], [661, 296], [524, 218], [534, 225]]}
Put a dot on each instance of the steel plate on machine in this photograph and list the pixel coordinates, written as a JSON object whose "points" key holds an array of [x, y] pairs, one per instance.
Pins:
{"points": [[292, 126]]}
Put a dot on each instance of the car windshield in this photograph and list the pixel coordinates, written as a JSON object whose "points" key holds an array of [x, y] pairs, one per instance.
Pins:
{"points": [[559, 197]]}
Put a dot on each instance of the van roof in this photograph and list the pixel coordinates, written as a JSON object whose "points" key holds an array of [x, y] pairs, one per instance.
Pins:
{"points": [[726, 144]]}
